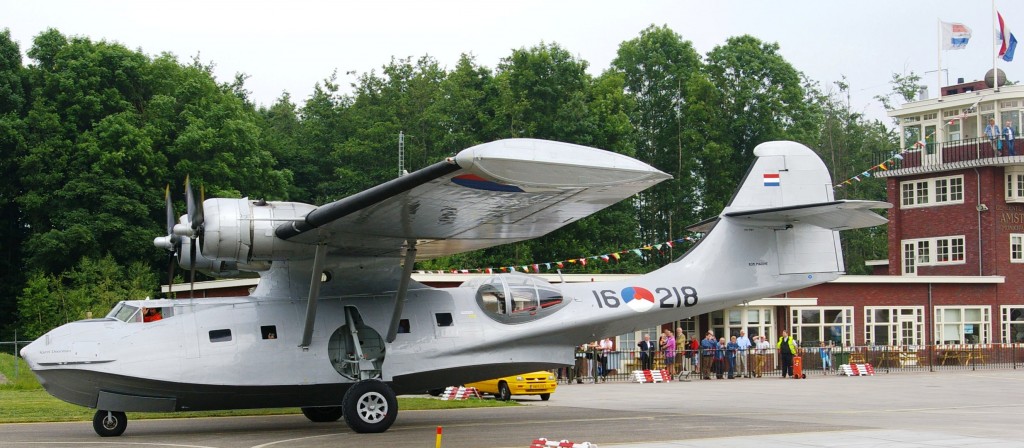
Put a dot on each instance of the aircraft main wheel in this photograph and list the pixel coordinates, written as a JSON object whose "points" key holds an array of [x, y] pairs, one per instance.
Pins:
{"points": [[369, 406], [504, 394], [435, 392], [109, 423], [545, 397], [324, 414]]}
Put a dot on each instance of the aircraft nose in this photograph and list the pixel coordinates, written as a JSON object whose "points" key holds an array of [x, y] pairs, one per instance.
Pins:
{"points": [[29, 351]]}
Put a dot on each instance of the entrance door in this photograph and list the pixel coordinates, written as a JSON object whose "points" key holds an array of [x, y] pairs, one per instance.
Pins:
{"points": [[930, 155]]}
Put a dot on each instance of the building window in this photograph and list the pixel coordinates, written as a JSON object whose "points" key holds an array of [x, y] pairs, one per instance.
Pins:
{"points": [[962, 325], [1013, 324], [812, 325], [928, 192], [756, 321], [947, 250], [1017, 248], [1014, 184], [902, 326], [909, 259]]}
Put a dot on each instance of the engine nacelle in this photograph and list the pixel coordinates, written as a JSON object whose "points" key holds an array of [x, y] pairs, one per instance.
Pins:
{"points": [[242, 230]]}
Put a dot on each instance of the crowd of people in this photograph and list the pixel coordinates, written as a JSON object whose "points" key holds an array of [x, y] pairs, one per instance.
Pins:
{"points": [[736, 357]]}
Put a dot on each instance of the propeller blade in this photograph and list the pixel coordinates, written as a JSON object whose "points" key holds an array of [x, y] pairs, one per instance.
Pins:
{"points": [[195, 208], [192, 267], [170, 210]]}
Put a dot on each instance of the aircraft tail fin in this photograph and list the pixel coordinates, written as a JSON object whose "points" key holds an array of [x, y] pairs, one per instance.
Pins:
{"points": [[788, 190]]}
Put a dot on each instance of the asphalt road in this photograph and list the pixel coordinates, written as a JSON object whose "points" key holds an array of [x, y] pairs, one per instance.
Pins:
{"points": [[895, 410]]}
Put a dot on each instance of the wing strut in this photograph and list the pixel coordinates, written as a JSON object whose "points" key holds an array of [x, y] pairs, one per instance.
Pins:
{"points": [[316, 278], [403, 287]]}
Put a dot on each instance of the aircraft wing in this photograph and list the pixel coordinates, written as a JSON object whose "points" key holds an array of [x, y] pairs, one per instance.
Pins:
{"points": [[491, 194]]}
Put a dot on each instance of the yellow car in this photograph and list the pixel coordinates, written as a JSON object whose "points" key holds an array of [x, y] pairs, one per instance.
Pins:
{"points": [[541, 383]]}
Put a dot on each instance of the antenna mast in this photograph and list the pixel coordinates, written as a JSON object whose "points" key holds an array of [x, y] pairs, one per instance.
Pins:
{"points": [[401, 154]]}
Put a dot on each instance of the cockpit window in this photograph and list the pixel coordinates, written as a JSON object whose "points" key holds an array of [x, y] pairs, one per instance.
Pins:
{"points": [[124, 313], [516, 298]]}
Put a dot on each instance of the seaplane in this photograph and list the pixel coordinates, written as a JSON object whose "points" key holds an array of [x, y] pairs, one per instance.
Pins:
{"points": [[337, 327]]}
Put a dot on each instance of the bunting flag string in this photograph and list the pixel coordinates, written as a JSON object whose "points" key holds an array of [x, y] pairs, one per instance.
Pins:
{"points": [[538, 267], [888, 163]]}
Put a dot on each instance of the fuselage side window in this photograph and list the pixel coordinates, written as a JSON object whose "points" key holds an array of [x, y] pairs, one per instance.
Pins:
{"points": [[220, 335], [268, 331]]}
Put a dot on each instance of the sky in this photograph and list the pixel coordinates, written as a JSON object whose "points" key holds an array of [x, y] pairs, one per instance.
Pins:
{"points": [[290, 46]]}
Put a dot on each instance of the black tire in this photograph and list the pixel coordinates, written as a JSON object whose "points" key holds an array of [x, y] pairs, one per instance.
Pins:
{"points": [[435, 392], [504, 394], [369, 406], [109, 423], [545, 397], [325, 414]]}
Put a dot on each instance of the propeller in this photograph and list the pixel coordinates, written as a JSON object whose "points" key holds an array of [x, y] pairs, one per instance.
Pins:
{"points": [[171, 242], [192, 229]]}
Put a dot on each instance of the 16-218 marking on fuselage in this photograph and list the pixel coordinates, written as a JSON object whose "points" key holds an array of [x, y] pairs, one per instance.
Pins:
{"points": [[641, 299]]}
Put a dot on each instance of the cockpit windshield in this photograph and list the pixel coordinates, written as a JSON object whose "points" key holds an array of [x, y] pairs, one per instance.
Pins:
{"points": [[124, 313], [516, 298]]}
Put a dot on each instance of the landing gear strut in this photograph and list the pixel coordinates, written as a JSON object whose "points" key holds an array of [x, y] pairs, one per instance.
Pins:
{"points": [[369, 406], [109, 423]]}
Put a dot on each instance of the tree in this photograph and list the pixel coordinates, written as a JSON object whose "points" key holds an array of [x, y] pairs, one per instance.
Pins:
{"points": [[658, 68], [763, 99], [13, 101], [90, 289]]}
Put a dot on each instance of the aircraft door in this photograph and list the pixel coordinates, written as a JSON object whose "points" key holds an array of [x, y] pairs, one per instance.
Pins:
{"points": [[189, 332]]}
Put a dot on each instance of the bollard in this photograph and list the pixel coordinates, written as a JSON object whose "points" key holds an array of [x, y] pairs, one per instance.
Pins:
{"points": [[437, 444]]}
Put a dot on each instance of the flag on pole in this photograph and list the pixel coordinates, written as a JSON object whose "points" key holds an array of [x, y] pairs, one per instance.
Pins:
{"points": [[955, 36], [1007, 41]]}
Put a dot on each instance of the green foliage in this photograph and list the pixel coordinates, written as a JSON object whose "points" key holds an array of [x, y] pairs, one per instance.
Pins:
{"points": [[91, 132], [90, 289]]}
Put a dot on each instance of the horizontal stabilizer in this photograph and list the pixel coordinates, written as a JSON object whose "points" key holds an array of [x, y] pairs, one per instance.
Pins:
{"points": [[836, 215]]}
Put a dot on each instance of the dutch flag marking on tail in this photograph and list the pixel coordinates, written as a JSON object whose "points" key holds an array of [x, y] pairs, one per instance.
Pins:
{"points": [[771, 180]]}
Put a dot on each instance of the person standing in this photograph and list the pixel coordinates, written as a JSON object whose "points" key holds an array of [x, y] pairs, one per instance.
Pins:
{"points": [[708, 347], [646, 353], [732, 352], [826, 356], [763, 347], [720, 359], [681, 349], [670, 353], [992, 132], [1008, 136], [743, 367], [606, 346], [787, 348]]}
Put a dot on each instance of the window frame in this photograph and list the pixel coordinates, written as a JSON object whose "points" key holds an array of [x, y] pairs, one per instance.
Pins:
{"points": [[985, 324], [919, 193]]}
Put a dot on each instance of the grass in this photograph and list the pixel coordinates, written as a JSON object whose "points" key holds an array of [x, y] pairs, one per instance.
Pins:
{"points": [[23, 400]]}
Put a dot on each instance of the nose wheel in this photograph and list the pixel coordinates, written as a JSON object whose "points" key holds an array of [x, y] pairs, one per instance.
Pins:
{"points": [[369, 406], [109, 423]]}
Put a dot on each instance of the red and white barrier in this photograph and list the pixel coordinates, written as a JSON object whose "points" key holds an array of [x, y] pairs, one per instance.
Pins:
{"points": [[651, 376], [459, 393], [545, 443], [857, 369]]}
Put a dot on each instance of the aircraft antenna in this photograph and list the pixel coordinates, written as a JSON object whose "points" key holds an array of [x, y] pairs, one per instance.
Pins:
{"points": [[401, 154]]}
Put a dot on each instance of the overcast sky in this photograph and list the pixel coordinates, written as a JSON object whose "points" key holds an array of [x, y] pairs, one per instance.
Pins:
{"points": [[289, 46]]}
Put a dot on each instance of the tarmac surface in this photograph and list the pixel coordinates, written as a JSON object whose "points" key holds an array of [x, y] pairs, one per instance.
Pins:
{"points": [[945, 409]]}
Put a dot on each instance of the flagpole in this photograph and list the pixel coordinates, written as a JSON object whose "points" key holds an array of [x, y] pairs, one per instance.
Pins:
{"points": [[995, 71], [938, 72]]}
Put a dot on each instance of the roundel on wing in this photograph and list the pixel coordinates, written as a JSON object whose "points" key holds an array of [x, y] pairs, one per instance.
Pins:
{"points": [[638, 299]]}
